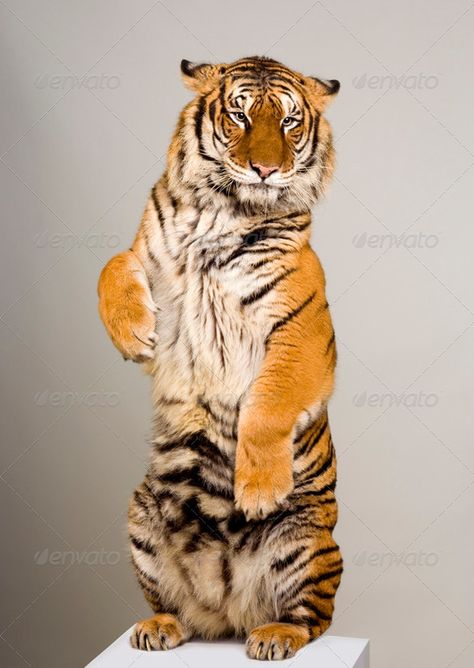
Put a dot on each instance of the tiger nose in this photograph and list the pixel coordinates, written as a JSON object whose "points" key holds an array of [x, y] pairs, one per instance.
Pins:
{"points": [[264, 170]]}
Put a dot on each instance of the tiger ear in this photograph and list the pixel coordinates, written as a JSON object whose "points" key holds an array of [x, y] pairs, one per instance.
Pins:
{"points": [[201, 77], [324, 89]]}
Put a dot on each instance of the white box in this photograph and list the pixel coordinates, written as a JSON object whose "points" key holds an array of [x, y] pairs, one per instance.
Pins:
{"points": [[326, 652]]}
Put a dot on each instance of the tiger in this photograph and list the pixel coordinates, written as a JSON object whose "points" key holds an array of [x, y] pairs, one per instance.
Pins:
{"points": [[222, 300]]}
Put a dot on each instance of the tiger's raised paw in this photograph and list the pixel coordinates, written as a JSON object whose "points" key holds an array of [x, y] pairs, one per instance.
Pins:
{"points": [[160, 632], [277, 641], [127, 308], [259, 494]]}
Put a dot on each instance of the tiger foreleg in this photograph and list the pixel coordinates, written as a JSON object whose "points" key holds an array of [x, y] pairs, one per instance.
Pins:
{"points": [[296, 373]]}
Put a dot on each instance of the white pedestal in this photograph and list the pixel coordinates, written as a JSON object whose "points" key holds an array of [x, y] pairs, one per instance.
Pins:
{"points": [[327, 652]]}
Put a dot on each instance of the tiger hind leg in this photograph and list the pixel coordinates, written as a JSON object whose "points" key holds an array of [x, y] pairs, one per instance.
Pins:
{"points": [[276, 641], [160, 632], [305, 581], [163, 630]]}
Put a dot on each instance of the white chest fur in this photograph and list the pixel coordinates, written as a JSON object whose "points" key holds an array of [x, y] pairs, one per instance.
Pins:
{"points": [[210, 344]]}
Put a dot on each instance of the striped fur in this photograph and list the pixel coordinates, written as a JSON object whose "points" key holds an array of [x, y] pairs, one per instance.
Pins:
{"points": [[223, 300]]}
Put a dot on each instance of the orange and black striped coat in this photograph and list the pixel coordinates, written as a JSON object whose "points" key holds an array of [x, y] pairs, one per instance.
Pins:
{"points": [[223, 300]]}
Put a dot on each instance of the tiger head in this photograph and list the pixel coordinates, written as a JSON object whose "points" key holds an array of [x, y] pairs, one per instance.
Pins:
{"points": [[255, 133]]}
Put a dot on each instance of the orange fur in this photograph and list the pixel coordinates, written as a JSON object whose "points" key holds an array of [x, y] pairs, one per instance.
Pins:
{"points": [[296, 373]]}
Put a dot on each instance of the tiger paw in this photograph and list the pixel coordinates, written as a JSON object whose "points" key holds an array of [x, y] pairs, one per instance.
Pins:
{"points": [[127, 309], [273, 642], [258, 493], [132, 330], [160, 632]]}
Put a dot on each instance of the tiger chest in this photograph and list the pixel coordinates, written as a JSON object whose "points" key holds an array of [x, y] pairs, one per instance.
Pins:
{"points": [[210, 343]]}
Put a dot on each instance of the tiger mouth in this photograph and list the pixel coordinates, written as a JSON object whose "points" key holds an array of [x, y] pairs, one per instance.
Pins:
{"points": [[262, 185]]}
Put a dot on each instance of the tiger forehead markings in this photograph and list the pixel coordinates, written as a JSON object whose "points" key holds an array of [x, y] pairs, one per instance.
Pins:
{"points": [[223, 301]]}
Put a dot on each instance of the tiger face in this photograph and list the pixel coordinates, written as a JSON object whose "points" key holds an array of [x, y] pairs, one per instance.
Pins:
{"points": [[259, 131]]}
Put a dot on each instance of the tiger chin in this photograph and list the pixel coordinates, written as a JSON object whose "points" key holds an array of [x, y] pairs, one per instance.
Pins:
{"points": [[222, 300]]}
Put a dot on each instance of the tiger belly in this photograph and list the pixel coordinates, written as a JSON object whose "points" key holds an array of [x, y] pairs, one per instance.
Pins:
{"points": [[192, 548], [195, 556]]}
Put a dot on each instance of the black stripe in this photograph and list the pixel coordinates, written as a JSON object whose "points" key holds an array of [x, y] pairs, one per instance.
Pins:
{"points": [[314, 581], [291, 315], [281, 564], [151, 255], [226, 573], [325, 465], [160, 216], [169, 446], [157, 205], [314, 555], [236, 521], [265, 289], [249, 250], [312, 441], [309, 605], [324, 550], [330, 343], [173, 200], [260, 263], [143, 545], [170, 401], [312, 157], [193, 476], [139, 500], [322, 467], [330, 487], [323, 594], [257, 234], [207, 524], [199, 444], [198, 118]]}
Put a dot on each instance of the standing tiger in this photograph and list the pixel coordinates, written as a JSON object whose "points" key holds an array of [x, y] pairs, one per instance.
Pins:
{"points": [[223, 300]]}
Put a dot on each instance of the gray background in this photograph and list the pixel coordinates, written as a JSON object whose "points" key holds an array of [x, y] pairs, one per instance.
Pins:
{"points": [[90, 95]]}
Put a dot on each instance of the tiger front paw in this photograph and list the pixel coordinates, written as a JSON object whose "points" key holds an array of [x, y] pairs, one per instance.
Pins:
{"points": [[127, 309], [132, 329], [260, 492]]}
